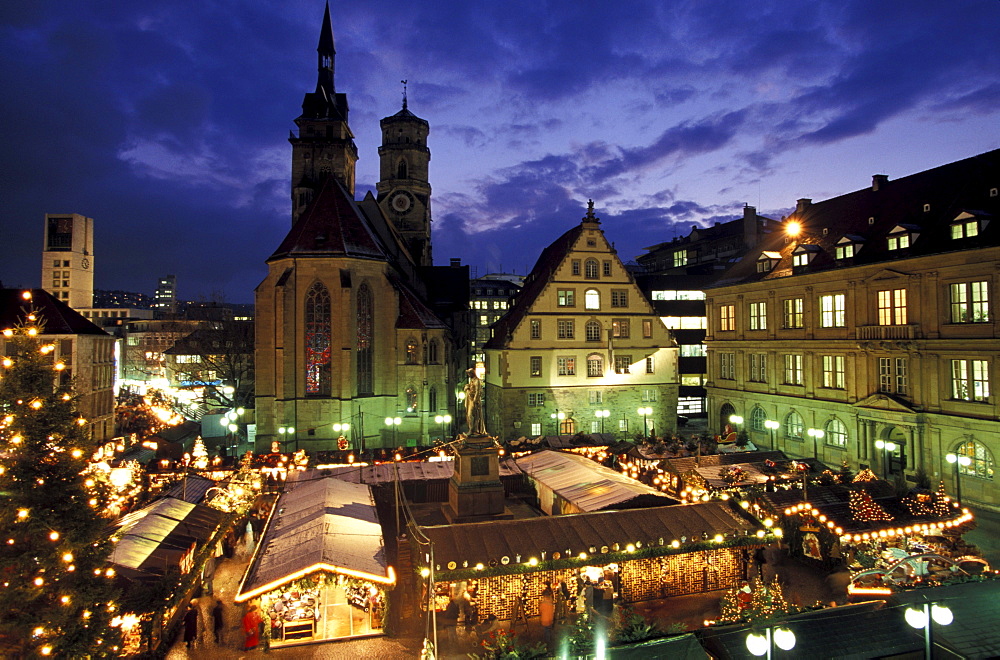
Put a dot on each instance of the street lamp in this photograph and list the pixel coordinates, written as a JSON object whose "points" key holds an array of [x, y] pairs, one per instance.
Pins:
{"points": [[887, 448], [287, 431], [736, 420], [442, 420], [557, 417], [923, 616], [956, 460], [393, 423], [602, 415], [772, 426], [816, 435], [645, 412], [764, 644]]}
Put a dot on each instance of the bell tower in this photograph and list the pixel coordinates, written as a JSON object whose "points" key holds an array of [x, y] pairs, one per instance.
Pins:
{"points": [[325, 144], [404, 191]]}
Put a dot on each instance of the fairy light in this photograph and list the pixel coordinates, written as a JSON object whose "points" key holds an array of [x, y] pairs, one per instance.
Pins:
{"points": [[68, 557], [53, 536], [22, 514], [45, 650], [39, 581], [60, 366], [81, 421], [64, 600]]}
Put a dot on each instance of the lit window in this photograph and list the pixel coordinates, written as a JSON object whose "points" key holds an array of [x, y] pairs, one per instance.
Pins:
{"points": [[892, 307], [965, 229], [411, 351], [566, 366], [793, 369], [727, 366], [596, 396], [845, 251], [832, 312], [793, 426], [649, 396], [833, 371], [566, 297], [647, 328], [317, 340], [565, 329], [593, 331], [590, 269], [727, 317], [620, 328], [793, 312], [981, 464], [901, 237], [892, 375], [595, 366], [592, 299], [536, 328], [800, 259], [678, 295], [970, 302], [619, 298], [535, 365], [970, 380], [411, 399], [536, 428], [758, 316], [693, 350], [835, 433], [680, 258], [622, 364]]}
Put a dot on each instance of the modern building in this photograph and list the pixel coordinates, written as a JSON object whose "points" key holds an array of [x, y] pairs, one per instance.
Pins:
{"points": [[581, 339], [68, 258], [866, 331], [490, 297], [165, 298]]}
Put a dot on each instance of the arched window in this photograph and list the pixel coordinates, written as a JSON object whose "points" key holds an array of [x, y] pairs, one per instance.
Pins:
{"points": [[411, 399], [757, 418], [793, 426], [366, 341], [593, 331], [401, 169], [981, 457], [836, 433], [595, 366], [411, 351], [567, 426], [590, 269], [592, 299], [317, 340], [726, 411], [432, 352], [432, 400]]}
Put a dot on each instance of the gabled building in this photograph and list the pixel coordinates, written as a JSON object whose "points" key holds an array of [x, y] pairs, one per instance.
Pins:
{"points": [[580, 339], [867, 330]]}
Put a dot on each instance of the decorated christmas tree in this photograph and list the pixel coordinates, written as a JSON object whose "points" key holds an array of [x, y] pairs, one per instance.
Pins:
{"points": [[846, 475], [763, 602], [865, 475], [58, 595], [864, 508], [199, 455], [942, 502]]}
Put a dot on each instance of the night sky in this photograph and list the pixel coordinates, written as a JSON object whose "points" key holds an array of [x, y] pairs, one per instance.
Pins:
{"points": [[167, 122]]}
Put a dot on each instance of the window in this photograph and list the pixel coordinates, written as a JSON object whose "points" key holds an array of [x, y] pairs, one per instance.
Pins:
{"points": [[535, 328], [833, 371], [566, 366], [970, 302], [595, 366], [432, 352], [793, 426], [800, 259], [892, 375], [576, 266], [832, 311], [622, 364], [593, 331], [650, 366], [566, 297], [982, 460], [844, 251], [432, 400], [619, 297], [592, 299], [892, 307], [970, 380], [596, 396], [727, 317], [901, 237], [793, 369], [647, 328], [590, 269], [620, 329], [727, 366], [757, 419], [792, 312], [836, 433], [411, 351], [649, 396], [536, 428], [623, 424], [535, 365], [536, 399], [317, 340], [680, 258], [364, 349], [965, 229], [564, 328], [411, 399], [758, 316], [758, 367], [678, 295], [607, 268], [685, 322]]}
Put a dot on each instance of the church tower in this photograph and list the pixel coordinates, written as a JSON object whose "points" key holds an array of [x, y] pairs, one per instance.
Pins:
{"points": [[404, 192], [325, 144]]}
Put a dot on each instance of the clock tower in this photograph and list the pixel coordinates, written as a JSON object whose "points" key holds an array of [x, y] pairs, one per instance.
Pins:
{"points": [[403, 189]]}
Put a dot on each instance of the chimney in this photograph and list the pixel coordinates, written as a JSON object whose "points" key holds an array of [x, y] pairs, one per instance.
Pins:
{"points": [[878, 181], [802, 204], [455, 261], [750, 229]]}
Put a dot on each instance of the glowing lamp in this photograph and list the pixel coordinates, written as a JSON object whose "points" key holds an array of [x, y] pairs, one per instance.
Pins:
{"points": [[757, 644], [916, 617], [784, 639]]}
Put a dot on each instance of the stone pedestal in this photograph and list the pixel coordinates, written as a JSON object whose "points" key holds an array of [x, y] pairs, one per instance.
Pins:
{"points": [[475, 492]]}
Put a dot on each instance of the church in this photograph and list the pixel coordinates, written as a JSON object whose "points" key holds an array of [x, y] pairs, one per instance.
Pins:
{"points": [[361, 342]]}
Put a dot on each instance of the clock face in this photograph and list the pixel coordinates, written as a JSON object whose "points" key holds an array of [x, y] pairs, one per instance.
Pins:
{"points": [[401, 202], [85, 263]]}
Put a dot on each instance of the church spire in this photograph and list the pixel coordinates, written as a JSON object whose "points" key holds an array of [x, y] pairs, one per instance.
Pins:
{"points": [[326, 53]]}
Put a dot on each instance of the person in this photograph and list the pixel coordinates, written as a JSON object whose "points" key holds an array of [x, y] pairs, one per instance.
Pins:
{"points": [[449, 620], [547, 612], [251, 628], [474, 404], [470, 605], [190, 625], [218, 621], [760, 559], [562, 607]]}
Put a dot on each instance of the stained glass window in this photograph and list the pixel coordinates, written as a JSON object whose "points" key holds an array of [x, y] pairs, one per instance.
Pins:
{"points": [[366, 332], [317, 340]]}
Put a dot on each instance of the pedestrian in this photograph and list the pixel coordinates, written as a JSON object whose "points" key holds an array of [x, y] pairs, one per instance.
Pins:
{"points": [[760, 559], [218, 621], [547, 612], [449, 621], [251, 628], [190, 624]]}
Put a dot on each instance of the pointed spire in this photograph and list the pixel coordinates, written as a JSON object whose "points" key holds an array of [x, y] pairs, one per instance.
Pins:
{"points": [[326, 52], [590, 217]]}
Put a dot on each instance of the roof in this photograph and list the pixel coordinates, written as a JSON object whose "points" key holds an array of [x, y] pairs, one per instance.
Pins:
{"points": [[384, 473], [488, 542], [192, 488], [413, 313], [318, 524], [976, 608], [683, 464], [154, 538], [59, 318], [587, 485]]}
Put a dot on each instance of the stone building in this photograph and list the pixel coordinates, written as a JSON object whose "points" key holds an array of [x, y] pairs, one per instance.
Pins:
{"points": [[580, 338], [865, 331]]}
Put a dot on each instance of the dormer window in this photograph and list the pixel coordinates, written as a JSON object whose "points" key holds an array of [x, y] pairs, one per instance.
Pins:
{"points": [[968, 224], [847, 247], [803, 255], [767, 261], [680, 258], [902, 236]]}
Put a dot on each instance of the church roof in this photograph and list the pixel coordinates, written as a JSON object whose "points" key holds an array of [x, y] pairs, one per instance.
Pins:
{"points": [[60, 318], [413, 313], [332, 225]]}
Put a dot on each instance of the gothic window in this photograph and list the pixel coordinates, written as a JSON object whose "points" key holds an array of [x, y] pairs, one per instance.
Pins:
{"points": [[365, 348], [411, 351], [432, 400], [401, 169], [411, 399], [317, 340], [432, 352]]}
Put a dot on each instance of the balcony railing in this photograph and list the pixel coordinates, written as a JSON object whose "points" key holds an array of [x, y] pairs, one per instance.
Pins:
{"points": [[879, 332]]}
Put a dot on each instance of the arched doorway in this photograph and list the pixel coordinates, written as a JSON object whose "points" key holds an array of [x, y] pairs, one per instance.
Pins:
{"points": [[896, 459], [725, 412]]}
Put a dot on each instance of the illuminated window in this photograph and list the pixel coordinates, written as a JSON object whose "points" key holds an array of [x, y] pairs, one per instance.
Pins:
{"points": [[619, 298], [792, 312], [593, 330], [535, 365], [411, 351], [970, 302], [892, 375], [317, 340], [835, 433], [565, 297], [596, 396], [727, 366], [966, 229], [536, 328], [793, 426], [620, 328], [678, 295], [566, 366], [833, 371], [800, 259], [982, 460], [727, 317], [590, 269], [650, 364], [365, 341], [680, 258], [411, 399], [892, 307], [793, 369], [901, 237], [649, 396], [647, 328], [622, 364], [970, 380], [832, 312], [564, 329], [758, 316], [595, 366], [592, 299]]}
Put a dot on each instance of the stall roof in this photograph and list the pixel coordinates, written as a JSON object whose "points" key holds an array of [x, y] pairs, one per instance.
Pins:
{"points": [[586, 484], [384, 473], [683, 464], [319, 524], [153, 538], [191, 488], [576, 533]]}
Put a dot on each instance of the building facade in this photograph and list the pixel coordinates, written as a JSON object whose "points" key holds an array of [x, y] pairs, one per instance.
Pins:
{"points": [[68, 258], [580, 339], [490, 297], [867, 332]]}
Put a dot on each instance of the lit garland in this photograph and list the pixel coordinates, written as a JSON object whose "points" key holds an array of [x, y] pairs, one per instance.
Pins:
{"points": [[864, 508]]}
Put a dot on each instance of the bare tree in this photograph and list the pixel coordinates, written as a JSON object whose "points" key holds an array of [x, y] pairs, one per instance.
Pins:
{"points": [[220, 358]]}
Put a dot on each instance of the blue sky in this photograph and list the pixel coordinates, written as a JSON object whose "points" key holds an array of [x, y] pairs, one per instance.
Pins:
{"points": [[168, 122]]}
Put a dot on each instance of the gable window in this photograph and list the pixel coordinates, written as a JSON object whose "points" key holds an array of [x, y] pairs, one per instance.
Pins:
{"points": [[892, 307], [622, 364], [833, 371], [844, 251], [680, 258], [591, 299], [758, 316], [566, 366], [727, 366], [792, 312], [576, 266], [981, 459], [727, 317], [566, 297], [967, 225], [619, 298], [565, 328], [793, 369], [793, 426], [590, 269], [901, 237], [800, 259], [620, 329], [767, 261], [836, 433], [535, 326], [647, 328], [970, 380], [535, 366], [847, 247], [758, 367], [832, 312], [607, 268], [595, 366], [970, 302], [892, 375]]}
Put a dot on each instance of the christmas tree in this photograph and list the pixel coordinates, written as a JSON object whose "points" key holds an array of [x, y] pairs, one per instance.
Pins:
{"points": [[199, 455], [864, 508], [865, 475], [846, 475], [57, 595], [766, 602], [942, 503]]}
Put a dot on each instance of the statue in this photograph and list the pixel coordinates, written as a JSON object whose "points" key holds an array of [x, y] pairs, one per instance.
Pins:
{"points": [[474, 404]]}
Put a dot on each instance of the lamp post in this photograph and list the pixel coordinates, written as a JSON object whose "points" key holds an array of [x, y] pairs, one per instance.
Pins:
{"points": [[816, 435], [288, 431], [773, 636], [393, 423], [956, 460], [442, 420], [887, 448], [602, 415], [772, 426], [557, 417], [645, 412], [923, 616]]}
